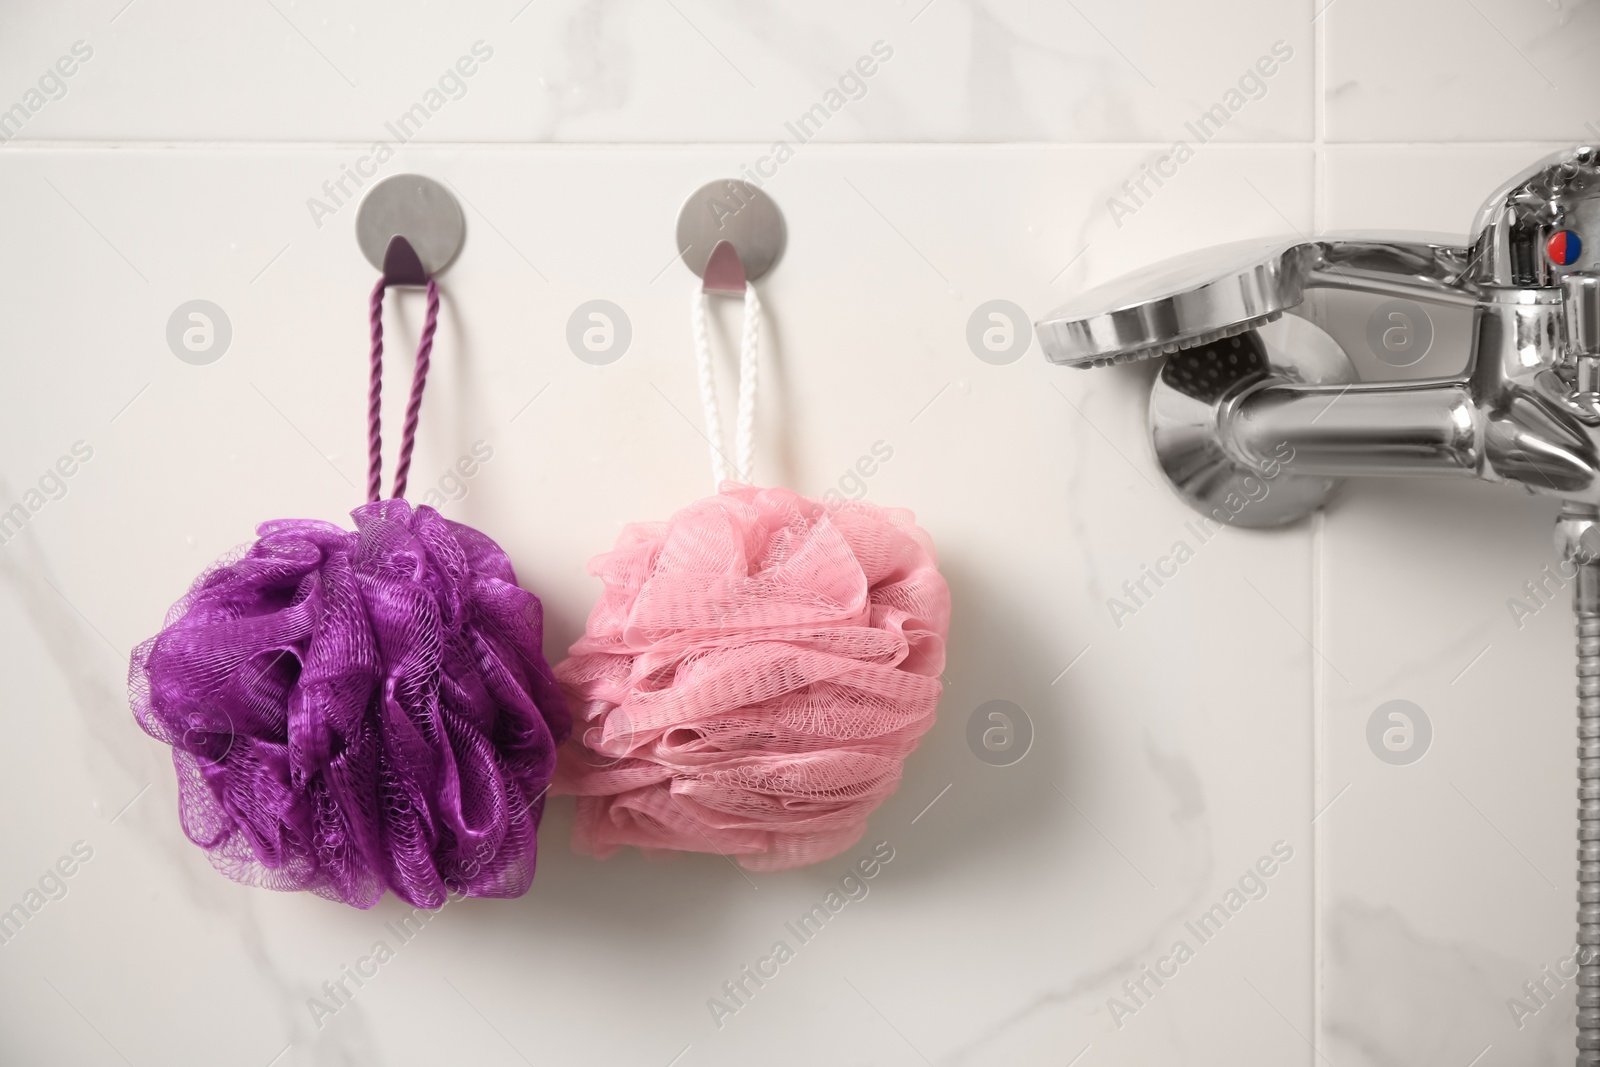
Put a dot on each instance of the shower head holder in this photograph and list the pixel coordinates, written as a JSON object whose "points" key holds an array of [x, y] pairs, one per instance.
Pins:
{"points": [[1245, 389]]}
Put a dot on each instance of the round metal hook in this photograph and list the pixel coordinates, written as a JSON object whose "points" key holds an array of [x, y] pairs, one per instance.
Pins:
{"points": [[421, 211], [737, 213]]}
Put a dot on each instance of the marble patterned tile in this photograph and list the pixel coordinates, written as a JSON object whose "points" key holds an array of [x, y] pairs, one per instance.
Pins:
{"points": [[689, 71], [1187, 736], [1484, 71], [1172, 743]]}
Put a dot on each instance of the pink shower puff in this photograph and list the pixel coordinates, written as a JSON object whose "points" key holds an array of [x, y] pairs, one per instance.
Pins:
{"points": [[752, 677]]}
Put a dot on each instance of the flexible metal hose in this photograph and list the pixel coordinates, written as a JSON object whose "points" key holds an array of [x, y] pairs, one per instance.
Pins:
{"points": [[1586, 605]]}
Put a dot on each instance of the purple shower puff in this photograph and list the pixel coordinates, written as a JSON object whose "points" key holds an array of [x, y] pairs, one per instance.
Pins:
{"points": [[351, 712]]}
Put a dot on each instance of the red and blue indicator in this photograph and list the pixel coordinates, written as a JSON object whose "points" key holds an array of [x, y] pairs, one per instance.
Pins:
{"points": [[1564, 248]]}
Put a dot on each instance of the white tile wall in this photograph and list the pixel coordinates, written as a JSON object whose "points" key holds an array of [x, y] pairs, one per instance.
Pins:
{"points": [[1226, 715], [566, 70], [1476, 71]]}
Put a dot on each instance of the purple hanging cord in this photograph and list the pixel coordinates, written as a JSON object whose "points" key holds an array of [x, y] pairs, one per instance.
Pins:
{"points": [[375, 394]]}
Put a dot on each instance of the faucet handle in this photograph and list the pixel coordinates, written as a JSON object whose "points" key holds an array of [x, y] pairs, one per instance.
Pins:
{"points": [[1580, 306]]}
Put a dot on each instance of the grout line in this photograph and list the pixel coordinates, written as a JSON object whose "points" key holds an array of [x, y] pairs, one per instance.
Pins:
{"points": [[21, 144], [1318, 769], [1319, 530]]}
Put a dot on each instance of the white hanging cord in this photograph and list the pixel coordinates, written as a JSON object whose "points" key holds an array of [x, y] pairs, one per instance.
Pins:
{"points": [[708, 386], [749, 349]]}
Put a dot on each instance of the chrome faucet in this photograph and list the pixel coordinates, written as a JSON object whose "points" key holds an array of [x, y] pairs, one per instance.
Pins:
{"points": [[1248, 397]]}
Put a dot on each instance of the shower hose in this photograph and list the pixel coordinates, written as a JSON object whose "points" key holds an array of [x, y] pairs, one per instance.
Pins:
{"points": [[1586, 606]]}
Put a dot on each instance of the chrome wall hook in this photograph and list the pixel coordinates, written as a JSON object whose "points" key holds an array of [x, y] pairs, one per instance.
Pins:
{"points": [[409, 227], [737, 215]]}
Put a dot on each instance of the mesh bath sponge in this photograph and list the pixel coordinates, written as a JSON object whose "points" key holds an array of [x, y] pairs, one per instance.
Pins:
{"points": [[355, 711], [756, 670]]}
